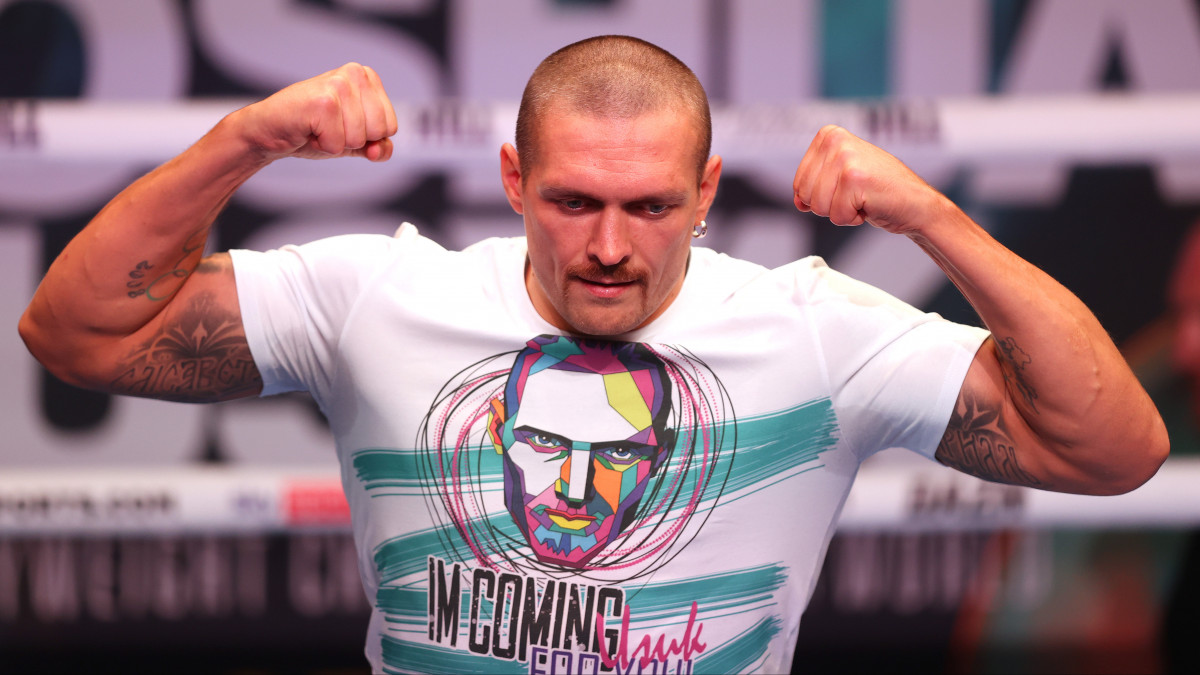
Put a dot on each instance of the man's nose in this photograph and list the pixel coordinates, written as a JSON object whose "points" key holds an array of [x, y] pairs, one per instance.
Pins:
{"points": [[575, 473], [609, 244]]}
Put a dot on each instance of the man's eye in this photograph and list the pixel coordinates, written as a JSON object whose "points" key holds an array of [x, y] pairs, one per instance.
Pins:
{"points": [[657, 209], [572, 204], [542, 441], [622, 454]]}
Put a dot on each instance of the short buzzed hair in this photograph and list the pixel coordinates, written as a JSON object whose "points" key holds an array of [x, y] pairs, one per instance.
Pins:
{"points": [[612, 76]]}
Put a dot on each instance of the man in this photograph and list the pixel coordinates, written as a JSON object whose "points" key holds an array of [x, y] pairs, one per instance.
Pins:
{"points": [[795, 375], [582, 427]]}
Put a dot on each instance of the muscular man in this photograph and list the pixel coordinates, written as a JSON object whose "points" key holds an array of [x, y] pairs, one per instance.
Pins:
{"points": [[783, 380]]}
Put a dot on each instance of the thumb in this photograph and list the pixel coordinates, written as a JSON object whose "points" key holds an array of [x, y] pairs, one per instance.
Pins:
{"points": [[375, 151]]}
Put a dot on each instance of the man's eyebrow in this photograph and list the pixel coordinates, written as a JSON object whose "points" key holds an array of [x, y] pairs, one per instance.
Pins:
{"points": [[554, 192], [534, 431]]}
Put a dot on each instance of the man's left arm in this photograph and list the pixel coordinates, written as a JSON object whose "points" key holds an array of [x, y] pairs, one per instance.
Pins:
{"points": [[1048, 401]]}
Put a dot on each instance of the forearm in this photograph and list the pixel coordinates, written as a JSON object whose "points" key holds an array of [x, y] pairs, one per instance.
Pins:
{"points": [[1077, 403], [125, 267]]}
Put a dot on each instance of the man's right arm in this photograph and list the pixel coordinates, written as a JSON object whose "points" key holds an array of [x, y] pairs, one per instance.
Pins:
{"points": [[130, 306]]}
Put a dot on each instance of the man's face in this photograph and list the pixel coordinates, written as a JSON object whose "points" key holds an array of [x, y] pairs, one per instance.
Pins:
{"points": [[609, 207], [581, 450]]}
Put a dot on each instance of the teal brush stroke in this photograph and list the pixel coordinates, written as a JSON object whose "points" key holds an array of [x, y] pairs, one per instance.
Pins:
{"points": [[776, 443], [737, 655], [402, 605], [387, 468], [408, 606], [407, 657], [398, 557], [767, 445], [719, 591]]}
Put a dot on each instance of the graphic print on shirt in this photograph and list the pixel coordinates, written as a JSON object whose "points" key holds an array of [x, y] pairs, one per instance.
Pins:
{"points": [[560, 478]]}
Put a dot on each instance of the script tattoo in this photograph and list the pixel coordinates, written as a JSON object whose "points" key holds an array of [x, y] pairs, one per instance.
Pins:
{"points": [[156, 286], [977, 443], [200, 355], [1014, 362]]}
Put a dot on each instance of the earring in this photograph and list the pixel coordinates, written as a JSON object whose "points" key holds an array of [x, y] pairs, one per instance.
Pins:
{"points": [[698, 231]]}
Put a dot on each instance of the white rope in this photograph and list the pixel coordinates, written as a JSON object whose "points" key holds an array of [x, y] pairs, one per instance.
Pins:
{"points": [[1081, 128], [911, 496]]}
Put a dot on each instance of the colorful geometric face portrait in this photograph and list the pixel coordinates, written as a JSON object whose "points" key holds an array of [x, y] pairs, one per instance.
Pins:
{"points": [[609, 456], [582, 428]]}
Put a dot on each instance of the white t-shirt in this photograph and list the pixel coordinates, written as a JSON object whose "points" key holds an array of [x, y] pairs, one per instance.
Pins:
{"points": [[524, 502]]}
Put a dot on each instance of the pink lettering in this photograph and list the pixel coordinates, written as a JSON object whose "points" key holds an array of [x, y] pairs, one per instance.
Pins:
{"points": [[648, 648]]}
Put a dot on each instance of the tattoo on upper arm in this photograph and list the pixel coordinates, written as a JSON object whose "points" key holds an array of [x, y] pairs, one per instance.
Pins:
{"points": [[1013, 363], [977, 442], [200, 355], [157, 285]]}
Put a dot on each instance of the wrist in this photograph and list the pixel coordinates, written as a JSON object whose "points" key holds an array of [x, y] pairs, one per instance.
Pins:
{"points": [[238, 132]]}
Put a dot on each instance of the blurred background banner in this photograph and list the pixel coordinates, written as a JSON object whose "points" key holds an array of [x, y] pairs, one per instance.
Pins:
{"points": [[135, 533]]}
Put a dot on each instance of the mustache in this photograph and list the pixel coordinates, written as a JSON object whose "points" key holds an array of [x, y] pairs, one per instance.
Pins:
{"points": [[620, 273]]}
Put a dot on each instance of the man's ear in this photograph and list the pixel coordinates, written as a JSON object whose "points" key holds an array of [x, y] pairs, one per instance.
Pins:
{"points": [[708, 185], [495, 424], [510, 176]]}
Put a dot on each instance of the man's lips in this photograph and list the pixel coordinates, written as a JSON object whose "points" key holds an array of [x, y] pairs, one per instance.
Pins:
{"points": [[605, 287], [571, 521]]}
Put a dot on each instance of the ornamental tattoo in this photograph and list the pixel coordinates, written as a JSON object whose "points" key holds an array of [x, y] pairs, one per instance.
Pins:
{"points": [[977, 443], [1016, 359], [156, 285], [200, 355]]}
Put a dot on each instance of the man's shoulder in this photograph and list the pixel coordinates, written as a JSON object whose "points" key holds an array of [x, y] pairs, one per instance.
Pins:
{"points": [[736, 273]]}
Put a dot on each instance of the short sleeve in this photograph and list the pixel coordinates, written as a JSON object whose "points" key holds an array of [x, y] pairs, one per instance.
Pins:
{"points": [[895, 371], [296, 300]]}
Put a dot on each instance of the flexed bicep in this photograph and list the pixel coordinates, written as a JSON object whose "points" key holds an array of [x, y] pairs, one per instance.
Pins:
{"points": [[195, 350], [985, 436]]}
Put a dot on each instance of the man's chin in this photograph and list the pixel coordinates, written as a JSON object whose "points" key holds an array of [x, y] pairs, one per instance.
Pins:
{"points": [[604, 322]]}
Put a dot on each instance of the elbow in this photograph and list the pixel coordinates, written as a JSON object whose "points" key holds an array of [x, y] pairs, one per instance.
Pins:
{"points": [[1144, 455], [62, 357], [35, 339], [1158, 448]]}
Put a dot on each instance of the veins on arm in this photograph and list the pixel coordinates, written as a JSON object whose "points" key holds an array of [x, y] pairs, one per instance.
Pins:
{"points": [[977, 442]]}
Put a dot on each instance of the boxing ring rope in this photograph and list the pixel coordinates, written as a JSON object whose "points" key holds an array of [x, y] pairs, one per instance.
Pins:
{"points": [[917, 496], [1091, 128], [906, 496]]}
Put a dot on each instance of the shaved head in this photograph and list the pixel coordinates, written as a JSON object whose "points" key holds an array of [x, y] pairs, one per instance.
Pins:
{"points": [[611, 76]]}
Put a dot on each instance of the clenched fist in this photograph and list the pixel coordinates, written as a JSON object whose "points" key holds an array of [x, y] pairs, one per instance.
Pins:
{"points": [[851, 182], [341, 113]]}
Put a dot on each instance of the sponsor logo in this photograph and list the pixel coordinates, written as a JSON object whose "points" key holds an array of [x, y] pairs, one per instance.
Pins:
{"points": [[315, 503]]}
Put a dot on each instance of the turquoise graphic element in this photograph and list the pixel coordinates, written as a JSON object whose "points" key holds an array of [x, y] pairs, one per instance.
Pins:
{"points": [[740, 653], [401, 556], [378, 469], [721, 592], [405, 606], [769, 447], [408, 657]]}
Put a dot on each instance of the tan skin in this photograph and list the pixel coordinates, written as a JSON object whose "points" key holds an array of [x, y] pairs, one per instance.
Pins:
{"points": [[609, 236], [129, 306], [609, 209], [1048, 401]]}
